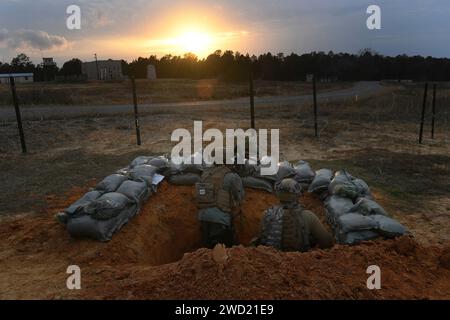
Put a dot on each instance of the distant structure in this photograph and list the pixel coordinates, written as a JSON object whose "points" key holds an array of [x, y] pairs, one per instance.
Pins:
{"points": [[48, 62], [107, 70], [49, 68], [18, 77], [151, 72]]}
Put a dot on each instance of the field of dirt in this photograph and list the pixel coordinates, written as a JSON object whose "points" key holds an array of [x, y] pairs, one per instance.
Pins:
{"points": [[374, 138]]}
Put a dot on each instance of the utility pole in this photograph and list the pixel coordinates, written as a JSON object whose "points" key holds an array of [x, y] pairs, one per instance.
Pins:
{"points": [[96, 64]]}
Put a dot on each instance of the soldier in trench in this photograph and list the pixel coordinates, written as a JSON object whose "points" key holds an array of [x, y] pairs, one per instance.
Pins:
{"points": [[288, 226], [219, 195]]}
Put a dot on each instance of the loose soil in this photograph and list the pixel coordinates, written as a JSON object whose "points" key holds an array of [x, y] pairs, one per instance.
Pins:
{"points": [[158, 255]]}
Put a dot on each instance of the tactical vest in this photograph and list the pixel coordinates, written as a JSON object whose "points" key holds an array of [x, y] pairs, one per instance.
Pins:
{"points": [[210, 192], [295, 235]]}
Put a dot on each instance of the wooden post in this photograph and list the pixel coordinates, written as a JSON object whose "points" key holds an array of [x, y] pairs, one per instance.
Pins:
{"points": [[96, 65], [433, 111], [315, 106], [18, 116], [252, 101], [136, 115], [423, 111]]}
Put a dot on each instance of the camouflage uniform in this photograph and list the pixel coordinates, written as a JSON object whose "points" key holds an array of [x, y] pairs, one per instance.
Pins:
{"points": [[217, 218], [288, 226]]}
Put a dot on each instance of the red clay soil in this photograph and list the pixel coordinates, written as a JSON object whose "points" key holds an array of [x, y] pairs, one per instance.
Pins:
{"points": [[142, 261]]}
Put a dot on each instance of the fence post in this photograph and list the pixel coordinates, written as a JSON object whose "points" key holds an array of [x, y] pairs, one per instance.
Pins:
{"points": [[433, 111], [252, 100], [136, 115], [423, 111], [315, 106], [18, 116]]}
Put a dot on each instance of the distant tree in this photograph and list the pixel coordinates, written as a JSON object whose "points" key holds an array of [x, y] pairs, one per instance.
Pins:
{"points": [[71, 67], [22, 63]]}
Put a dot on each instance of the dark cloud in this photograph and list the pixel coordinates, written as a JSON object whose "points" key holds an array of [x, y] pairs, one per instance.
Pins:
{"points": [[33, 39]]}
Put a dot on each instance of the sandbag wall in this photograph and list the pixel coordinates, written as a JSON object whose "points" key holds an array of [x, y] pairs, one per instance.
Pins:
{"points": [[350, 209], [115, 200]]}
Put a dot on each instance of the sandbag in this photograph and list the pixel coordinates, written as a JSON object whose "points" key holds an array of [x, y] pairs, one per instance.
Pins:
{"points": [[87, 227], [304, 172], [335, 207], [108, 206], [184, 167], [184, 179], [364, 190], [77, 206], [140, 161], [368, 207], [321, 181], [138, 191], [160, 162], [355, 222], [345, 185], [356, 237], [111, 183], [258, 183], [247, 169], [143, 172], [388, 227]]}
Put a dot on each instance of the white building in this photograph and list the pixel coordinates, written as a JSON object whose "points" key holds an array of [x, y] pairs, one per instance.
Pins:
{"points": [[151, 72], [103, 70], [18, 77]]}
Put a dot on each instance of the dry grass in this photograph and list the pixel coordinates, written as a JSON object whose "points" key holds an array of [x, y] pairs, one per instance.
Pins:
{"points": [[163, 90]]}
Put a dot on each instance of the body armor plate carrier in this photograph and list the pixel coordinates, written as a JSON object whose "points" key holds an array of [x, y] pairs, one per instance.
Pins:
{"points": [[210, 191]]}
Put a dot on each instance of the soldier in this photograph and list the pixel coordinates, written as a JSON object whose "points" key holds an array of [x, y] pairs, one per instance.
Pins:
{"points": [[219, 194], [288, 226]]}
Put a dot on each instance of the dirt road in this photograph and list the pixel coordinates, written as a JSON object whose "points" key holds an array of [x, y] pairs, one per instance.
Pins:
{"points": [[360, 89]]}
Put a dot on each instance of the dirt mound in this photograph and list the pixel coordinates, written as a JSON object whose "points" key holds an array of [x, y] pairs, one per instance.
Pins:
{"points": [[143, 260], [264, 273]]}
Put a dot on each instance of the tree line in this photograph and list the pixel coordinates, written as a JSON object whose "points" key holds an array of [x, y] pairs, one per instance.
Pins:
{"points": [[230, 66]]}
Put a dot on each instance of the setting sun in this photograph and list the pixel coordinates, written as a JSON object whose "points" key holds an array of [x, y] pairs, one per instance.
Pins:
{"points": [[195, 42]]}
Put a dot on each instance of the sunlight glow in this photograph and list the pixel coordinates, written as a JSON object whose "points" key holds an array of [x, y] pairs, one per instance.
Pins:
{"points": [[195, 42]]}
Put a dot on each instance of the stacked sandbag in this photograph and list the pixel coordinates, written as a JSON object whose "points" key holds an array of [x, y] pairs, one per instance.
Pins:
{"points": [[320, 183], [185, 173], [304, 173], [353, 213], [336, 206], [345, 185], [114, 201], [161, 163]]}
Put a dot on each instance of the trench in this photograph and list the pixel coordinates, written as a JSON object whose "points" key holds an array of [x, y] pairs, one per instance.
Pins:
{"points": [[167, 226]]}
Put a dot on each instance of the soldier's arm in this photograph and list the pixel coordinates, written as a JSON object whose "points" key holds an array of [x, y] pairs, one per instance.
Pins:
{"points": [[318, 232], [236, 187]]}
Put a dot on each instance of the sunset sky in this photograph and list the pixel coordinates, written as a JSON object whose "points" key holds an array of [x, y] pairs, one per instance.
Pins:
{"points": [[125, 29]]}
